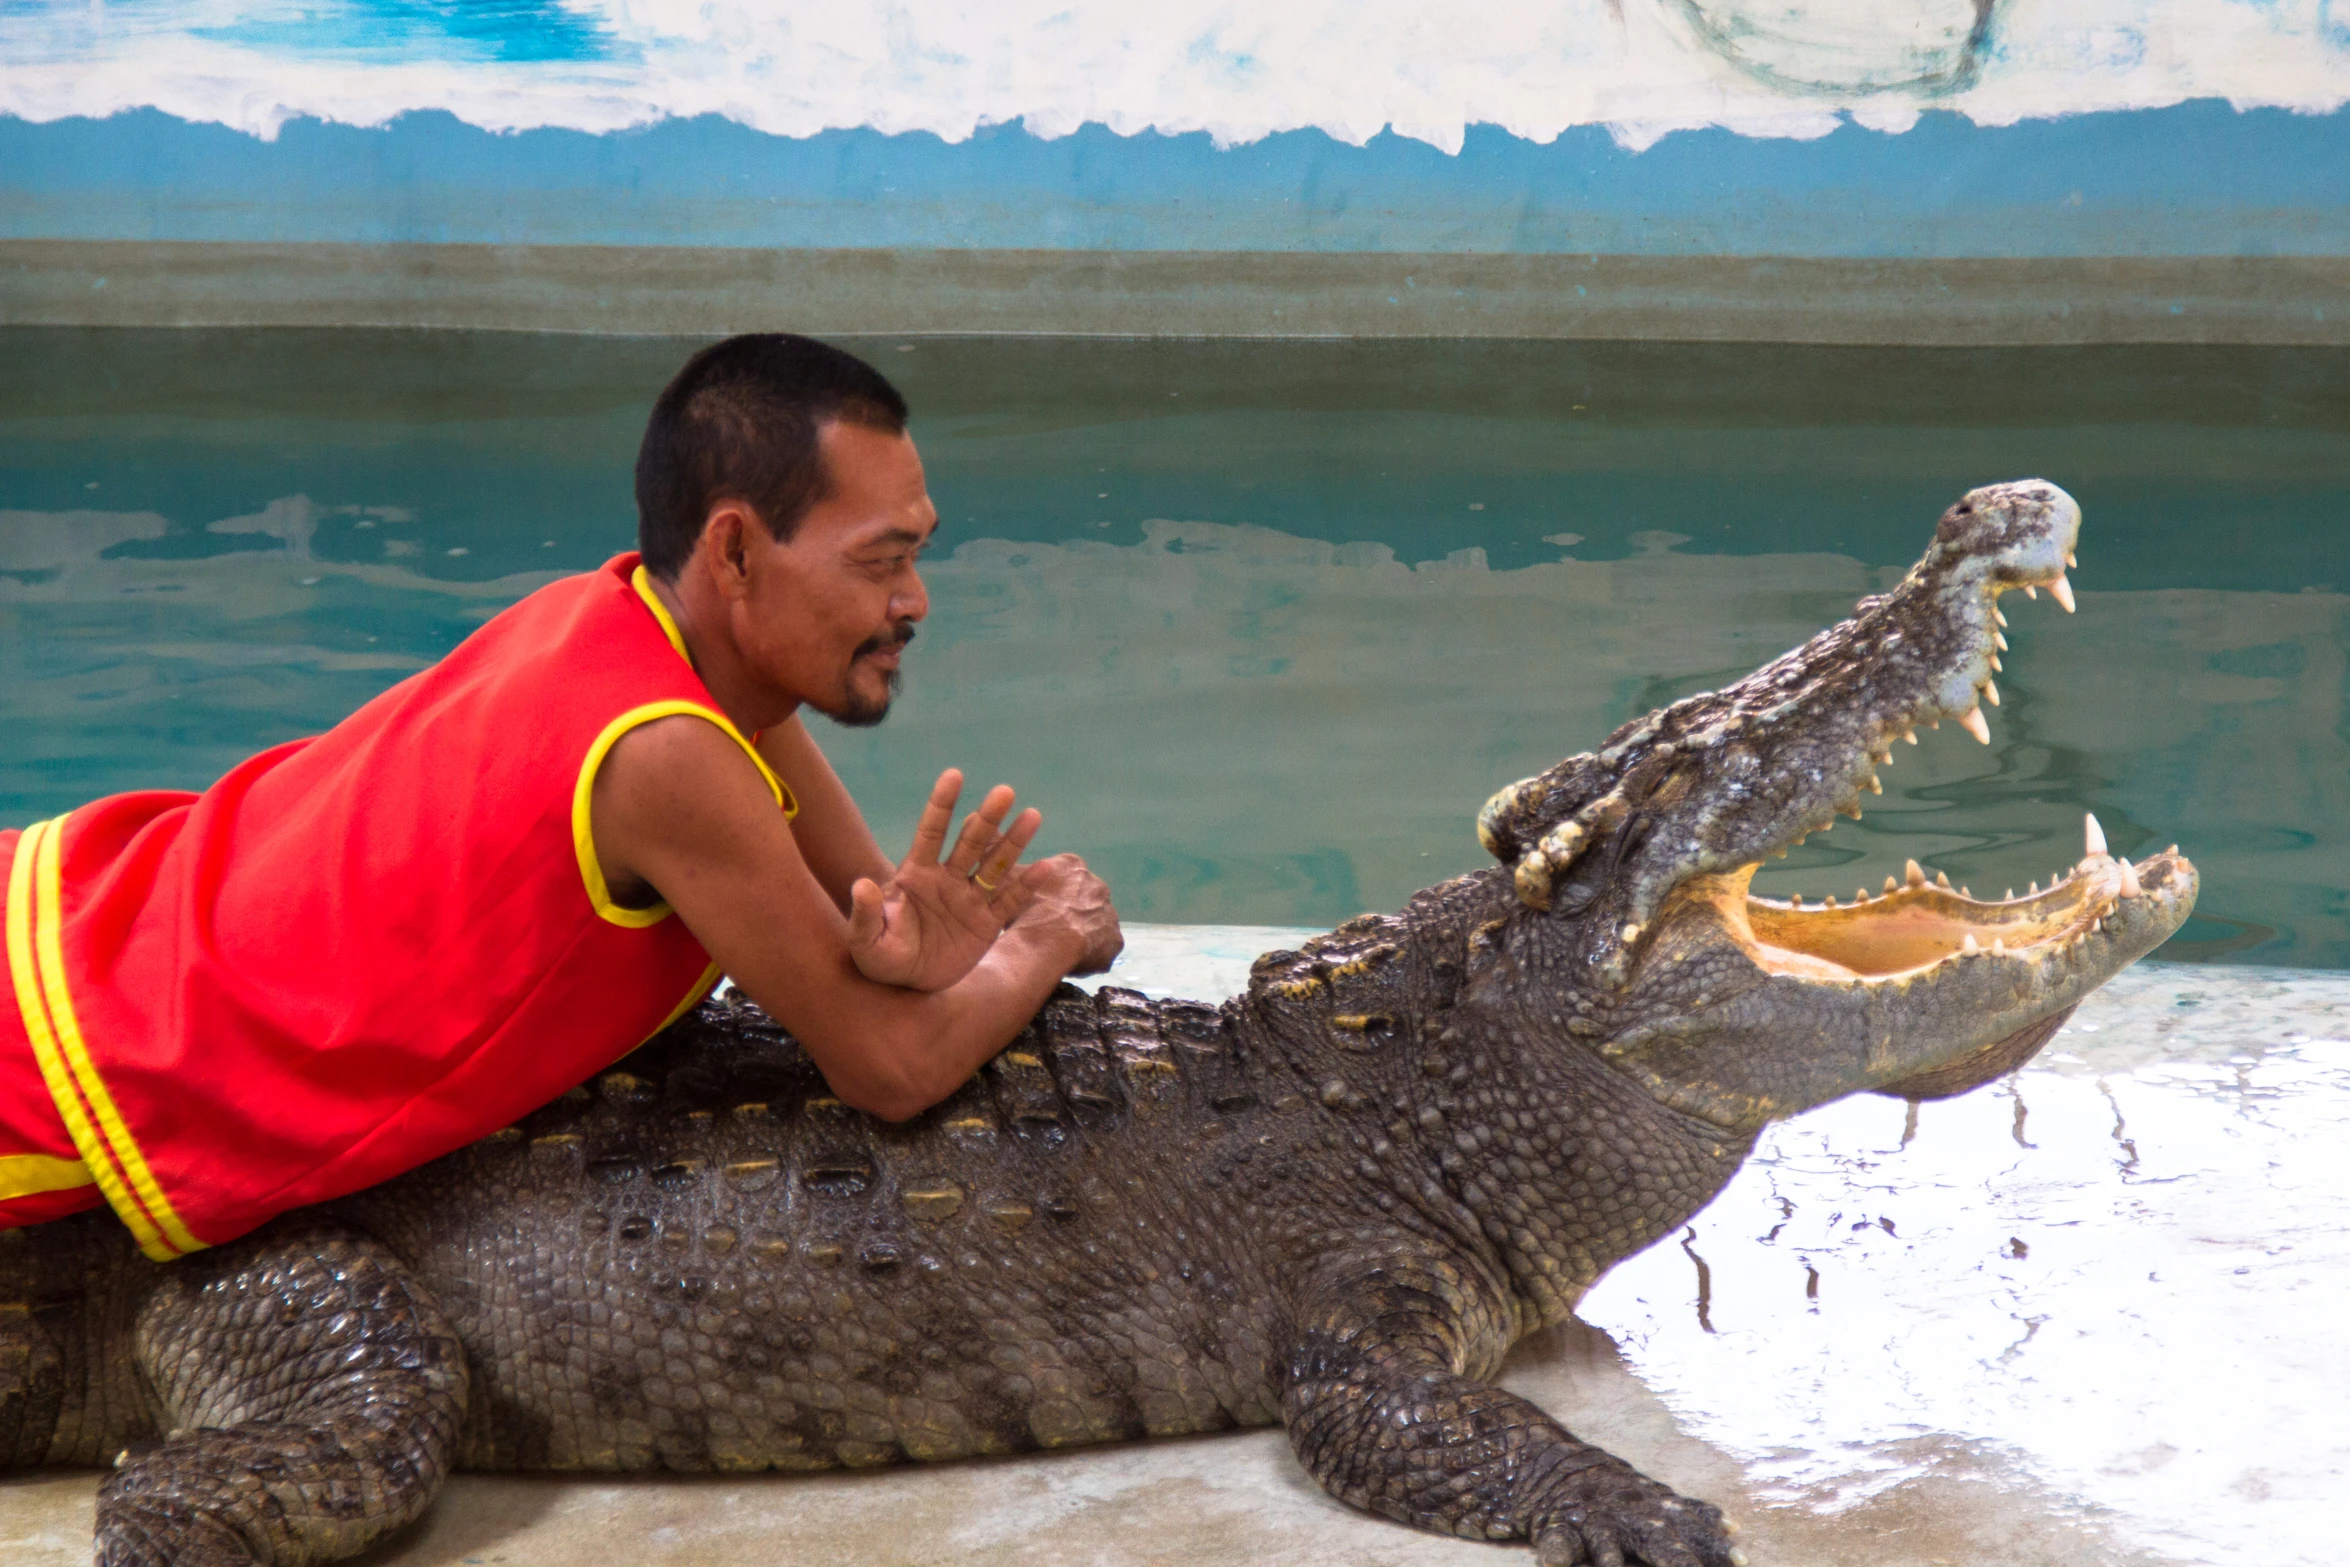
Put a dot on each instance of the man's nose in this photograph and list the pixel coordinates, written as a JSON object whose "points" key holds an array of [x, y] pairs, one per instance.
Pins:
{"points": [[911, 601]]}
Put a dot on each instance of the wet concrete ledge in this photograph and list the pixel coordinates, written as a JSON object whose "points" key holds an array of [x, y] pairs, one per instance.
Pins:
{"points": [[693, 290]]}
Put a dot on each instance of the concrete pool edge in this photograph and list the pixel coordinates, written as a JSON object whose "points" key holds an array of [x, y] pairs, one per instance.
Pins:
{"points": [[692, 290]]}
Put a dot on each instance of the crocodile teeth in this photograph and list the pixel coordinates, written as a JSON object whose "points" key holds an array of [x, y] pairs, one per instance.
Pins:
{"points": [[2030, 591], [2130, 887], [1976, 725], [1991, 690], [2062, 591], [1915, 872], [1999, 641], [2035, 892], [1875, 787], [1995, 664], [1996, 615], [1893, 886], [1910, 735], [1999, 946], [2093, 835], [2071, 559], [2007, 896], [1942, 880], [1970, 946]]}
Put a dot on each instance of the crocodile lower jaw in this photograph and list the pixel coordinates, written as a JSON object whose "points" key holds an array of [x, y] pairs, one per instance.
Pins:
{"points": [[1914, 927]]}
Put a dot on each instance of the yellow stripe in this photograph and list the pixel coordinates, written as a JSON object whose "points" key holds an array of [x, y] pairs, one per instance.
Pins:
{"points": [[30, 1174], [702, 987], [782, 791], [49, 950], [27, 984], [59, 1081], [583, 836], [644, 590]]}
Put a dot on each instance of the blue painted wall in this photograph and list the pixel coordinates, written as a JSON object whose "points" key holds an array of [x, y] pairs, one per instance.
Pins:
{"points": [[2196, 179]]}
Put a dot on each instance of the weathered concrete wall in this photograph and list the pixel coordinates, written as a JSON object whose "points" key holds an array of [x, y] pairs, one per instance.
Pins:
{"points": [[2196, 179], [1829, 171], [712, 290]]}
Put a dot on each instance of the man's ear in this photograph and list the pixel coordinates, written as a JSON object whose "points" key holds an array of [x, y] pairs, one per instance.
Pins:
{"points": [[725, 547]]}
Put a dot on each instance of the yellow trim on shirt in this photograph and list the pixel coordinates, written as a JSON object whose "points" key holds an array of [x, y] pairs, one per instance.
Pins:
{"points": [[36, 956], [693, 998], [26, 980], [583, 835], [30, 1174], [644, 590]]}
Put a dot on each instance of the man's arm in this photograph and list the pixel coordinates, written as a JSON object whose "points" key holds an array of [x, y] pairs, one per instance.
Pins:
{"points": [[831, 832], [678, 808], [921, 923]]}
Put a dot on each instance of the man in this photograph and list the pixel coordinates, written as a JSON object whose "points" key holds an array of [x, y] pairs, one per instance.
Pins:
{"points": [[357, 952]]}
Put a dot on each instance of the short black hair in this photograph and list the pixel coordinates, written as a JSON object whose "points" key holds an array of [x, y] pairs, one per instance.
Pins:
{"points": [[740, 423]]}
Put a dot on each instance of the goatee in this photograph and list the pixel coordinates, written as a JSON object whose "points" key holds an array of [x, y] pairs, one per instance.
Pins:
{"points": [[856, 712]]}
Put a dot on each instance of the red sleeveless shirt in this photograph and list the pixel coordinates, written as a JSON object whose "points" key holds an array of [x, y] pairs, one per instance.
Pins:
{"points": [[353, 953]]}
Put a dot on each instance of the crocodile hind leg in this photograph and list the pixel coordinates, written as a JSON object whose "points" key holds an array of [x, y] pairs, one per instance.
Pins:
{"points": [[313, 1396], [1380, 1413]]}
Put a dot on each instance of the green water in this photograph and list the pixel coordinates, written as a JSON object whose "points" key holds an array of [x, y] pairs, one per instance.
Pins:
{"points": [[1260, 625]]}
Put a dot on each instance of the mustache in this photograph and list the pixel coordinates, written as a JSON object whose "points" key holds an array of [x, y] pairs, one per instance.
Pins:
{"points": [[882, 641]]}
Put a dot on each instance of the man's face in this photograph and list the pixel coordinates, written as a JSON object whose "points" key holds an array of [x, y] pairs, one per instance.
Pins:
{"points": [[829, 612]]}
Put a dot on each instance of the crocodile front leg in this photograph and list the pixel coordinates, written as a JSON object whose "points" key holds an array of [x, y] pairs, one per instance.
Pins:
{"points": [[313, 1396], [1380, 1412]]}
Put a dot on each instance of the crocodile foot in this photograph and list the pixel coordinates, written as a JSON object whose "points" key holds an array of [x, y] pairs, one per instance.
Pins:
{"points": [[1608, 1514], [1377, 1416], [313, 1395], [145, 1531]]}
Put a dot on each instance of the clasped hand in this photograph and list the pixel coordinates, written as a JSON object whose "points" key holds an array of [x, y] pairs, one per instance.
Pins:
{"points": [[936, 917]]}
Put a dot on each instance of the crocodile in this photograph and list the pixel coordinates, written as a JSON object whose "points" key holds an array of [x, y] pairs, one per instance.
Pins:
{"points": [[1331, 1202]]}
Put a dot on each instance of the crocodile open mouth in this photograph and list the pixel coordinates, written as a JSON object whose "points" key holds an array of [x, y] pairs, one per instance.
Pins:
{"points": [[1656, 835], [1919, 922]]}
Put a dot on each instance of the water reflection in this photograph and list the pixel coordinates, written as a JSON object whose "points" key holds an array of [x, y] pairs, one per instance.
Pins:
{"points": [[126, 663], [1322, 719], [211, 541]]}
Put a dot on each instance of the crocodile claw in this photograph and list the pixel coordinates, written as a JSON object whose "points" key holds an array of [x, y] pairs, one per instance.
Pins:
{"points": [[1621, 1518]]}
